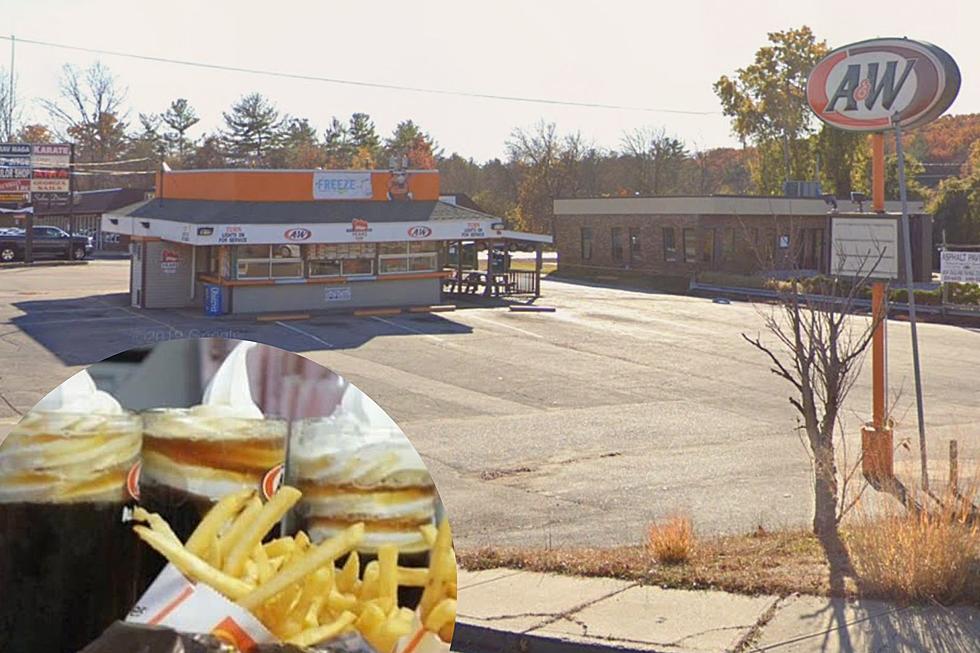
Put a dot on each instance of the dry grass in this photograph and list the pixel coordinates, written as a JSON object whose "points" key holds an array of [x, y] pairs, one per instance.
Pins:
{"points": [[933, 555], [908, 558], [671, 541], [768, 563]]}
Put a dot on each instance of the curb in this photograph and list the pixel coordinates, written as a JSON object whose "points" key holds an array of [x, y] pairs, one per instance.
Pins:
{"points": [[470, 638]]}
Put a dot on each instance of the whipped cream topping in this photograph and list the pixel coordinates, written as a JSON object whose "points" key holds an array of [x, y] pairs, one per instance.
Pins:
{"points": [[229, 393], [77, 444], [333, 454]]}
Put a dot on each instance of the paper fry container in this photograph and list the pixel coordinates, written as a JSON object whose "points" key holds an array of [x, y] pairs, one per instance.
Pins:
{"points": [[176, 602]]}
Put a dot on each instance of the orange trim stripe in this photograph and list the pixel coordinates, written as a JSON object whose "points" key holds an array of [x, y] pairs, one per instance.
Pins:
{"points": [[170, 607]]}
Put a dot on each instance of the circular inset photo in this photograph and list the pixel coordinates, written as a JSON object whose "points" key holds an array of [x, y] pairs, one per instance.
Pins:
{"points": [[219, 495]]}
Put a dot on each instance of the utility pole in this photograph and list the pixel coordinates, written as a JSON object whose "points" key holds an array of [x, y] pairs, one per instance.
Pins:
{"points": [[10, 93], [908, 284]]}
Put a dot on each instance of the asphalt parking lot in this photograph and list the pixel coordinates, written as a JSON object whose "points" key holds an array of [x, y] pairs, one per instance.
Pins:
{"points": [[546, 429]]}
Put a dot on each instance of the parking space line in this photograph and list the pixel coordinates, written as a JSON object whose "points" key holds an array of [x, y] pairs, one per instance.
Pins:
{"points": [[506, 326], [408, 328], [305, 333], [43, 322]]}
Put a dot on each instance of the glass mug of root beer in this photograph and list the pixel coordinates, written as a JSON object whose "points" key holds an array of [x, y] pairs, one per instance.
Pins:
{"points": [[350, 472], [192, 457], [67, 560]]}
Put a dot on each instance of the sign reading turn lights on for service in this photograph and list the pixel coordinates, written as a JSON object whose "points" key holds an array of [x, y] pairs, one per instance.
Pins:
{"points": [[863, 86]]}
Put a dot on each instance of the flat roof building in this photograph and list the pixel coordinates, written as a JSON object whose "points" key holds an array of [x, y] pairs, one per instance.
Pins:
{"points": [[682, 237], [281, 240]]}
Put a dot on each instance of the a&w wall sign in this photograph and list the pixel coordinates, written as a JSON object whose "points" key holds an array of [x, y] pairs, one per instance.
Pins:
{"points": [[862, 86]]}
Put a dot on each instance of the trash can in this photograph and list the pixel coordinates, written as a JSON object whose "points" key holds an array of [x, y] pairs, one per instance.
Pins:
{"points": [[213, 299]]}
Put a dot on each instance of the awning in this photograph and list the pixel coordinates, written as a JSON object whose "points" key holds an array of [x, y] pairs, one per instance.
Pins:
{"points": [[214, 222]]}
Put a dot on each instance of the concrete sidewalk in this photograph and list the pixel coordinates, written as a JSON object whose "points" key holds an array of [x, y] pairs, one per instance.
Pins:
{"points": [[503, 610]]}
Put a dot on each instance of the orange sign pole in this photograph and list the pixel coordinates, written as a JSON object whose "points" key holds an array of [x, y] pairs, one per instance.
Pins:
{"points": [[877, 440]]}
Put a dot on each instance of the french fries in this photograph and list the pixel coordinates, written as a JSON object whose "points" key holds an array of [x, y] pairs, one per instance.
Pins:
{"points": [[295, 588]]}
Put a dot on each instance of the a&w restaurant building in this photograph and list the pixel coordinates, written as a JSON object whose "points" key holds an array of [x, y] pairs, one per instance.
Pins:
{"points": [[254, 241]]}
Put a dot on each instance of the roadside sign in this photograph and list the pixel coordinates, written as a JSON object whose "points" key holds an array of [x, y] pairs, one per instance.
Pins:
{"points": [[862, 86], [861, 245], [959, 267], [35, 173]]}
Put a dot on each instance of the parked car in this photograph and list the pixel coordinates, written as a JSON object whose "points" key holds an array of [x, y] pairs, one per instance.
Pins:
{"points": [[47, 241]]}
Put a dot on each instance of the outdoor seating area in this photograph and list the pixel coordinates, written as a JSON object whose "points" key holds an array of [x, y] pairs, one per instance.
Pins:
{"points": [[497, 279]]}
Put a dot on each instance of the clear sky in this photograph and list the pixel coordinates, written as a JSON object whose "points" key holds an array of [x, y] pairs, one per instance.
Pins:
{"points": [[663, 55]]}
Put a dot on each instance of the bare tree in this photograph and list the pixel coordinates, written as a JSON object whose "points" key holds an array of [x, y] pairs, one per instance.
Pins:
{"points": [[90, 112], [817, 345], [658, 158], [10, 110]]}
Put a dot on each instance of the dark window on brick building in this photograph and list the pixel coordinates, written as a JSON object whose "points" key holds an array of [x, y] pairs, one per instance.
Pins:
{"points": [[670, 246], [708, 246], [586, 243], [635, 248], [617, 243], [728, 243], [690, 246]]}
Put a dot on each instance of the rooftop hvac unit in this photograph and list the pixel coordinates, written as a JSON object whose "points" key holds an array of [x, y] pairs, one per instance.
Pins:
{"points": [[802, 189]]}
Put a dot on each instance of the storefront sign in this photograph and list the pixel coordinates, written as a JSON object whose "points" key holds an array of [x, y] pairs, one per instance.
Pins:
{"points": [[51, 156], [169, 260], [338, 294], [419, 231], [473, 230], [45, 185], [342, 185], [14, 198], [15, 173], [863, 86], [959, 267], [298, 233], [15, 185], [359, 228], [232, 234]]}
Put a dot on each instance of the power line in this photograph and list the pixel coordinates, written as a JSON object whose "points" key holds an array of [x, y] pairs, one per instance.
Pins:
{"points": [[351, 82]]}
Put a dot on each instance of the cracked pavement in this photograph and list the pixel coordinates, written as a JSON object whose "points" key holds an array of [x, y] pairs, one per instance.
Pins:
{"points": [[605, 614]]}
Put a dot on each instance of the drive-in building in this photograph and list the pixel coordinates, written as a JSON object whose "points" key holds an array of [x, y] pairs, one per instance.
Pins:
{"points": [[253, 241]]}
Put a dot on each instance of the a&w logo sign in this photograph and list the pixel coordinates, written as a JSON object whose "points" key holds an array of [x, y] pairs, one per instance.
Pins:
{"points": [[862, 86]]}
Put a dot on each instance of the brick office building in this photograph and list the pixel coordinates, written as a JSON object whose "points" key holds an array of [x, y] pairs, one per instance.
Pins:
{"points": [[681, 237]]}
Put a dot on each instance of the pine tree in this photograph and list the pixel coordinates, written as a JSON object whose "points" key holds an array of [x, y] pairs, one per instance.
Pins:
{"points": [[253, 131], [180, 117]]}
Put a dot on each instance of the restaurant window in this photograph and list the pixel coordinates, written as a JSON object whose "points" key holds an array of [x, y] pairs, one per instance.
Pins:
{"points": [[586, 243], [708, 246], [670, 245], [728, 243], [635, 248], [617, 243], [402, 257], [690, 246], [340, 260], [269, 262]]}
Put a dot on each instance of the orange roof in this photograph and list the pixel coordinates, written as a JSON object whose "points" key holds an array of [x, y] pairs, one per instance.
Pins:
{"points": [[255, 185]]}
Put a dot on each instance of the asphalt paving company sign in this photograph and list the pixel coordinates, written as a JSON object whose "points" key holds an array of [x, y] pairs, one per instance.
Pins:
{"points": [[864, 86], [959, 267]]}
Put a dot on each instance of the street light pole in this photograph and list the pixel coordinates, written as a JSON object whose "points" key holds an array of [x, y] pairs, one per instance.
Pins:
{"points": [[907, 243]]}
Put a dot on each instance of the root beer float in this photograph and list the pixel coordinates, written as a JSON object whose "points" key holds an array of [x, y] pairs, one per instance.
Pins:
{"points": [[194, 456], [67, 561], [352, 468]]}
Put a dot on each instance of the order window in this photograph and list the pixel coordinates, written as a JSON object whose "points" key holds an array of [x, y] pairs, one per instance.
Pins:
{"points": [[402, 257], [269, 262], [342, 260]]}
